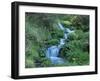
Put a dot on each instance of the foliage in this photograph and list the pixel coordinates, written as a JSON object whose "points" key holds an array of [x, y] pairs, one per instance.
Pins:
{"points": [[41, 31]]}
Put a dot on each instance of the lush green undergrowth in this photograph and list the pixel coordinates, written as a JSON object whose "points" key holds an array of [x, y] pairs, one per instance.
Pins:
{"points": [[41, 32]]}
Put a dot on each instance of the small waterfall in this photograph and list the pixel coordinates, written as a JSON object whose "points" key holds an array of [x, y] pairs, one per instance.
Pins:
{"points": [[53, 51]]}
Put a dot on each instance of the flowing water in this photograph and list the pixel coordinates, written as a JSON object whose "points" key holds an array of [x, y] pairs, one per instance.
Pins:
{"points": [[52, 52]]}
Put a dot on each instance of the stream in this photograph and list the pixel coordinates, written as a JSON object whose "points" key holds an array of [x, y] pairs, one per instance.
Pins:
{"points": [[52, 52]]}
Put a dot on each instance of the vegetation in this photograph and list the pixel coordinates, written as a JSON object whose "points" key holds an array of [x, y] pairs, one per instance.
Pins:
{"points": [[41, 32]]}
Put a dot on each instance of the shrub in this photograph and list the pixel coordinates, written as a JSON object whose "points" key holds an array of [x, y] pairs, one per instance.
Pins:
{"points": [[72, 36], [42, 62], [29, 63], [57, 34], [79, 57], [52, 42]]}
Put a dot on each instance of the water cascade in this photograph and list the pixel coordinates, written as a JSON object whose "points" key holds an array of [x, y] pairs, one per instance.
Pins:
{"points": [[52, 52]]}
